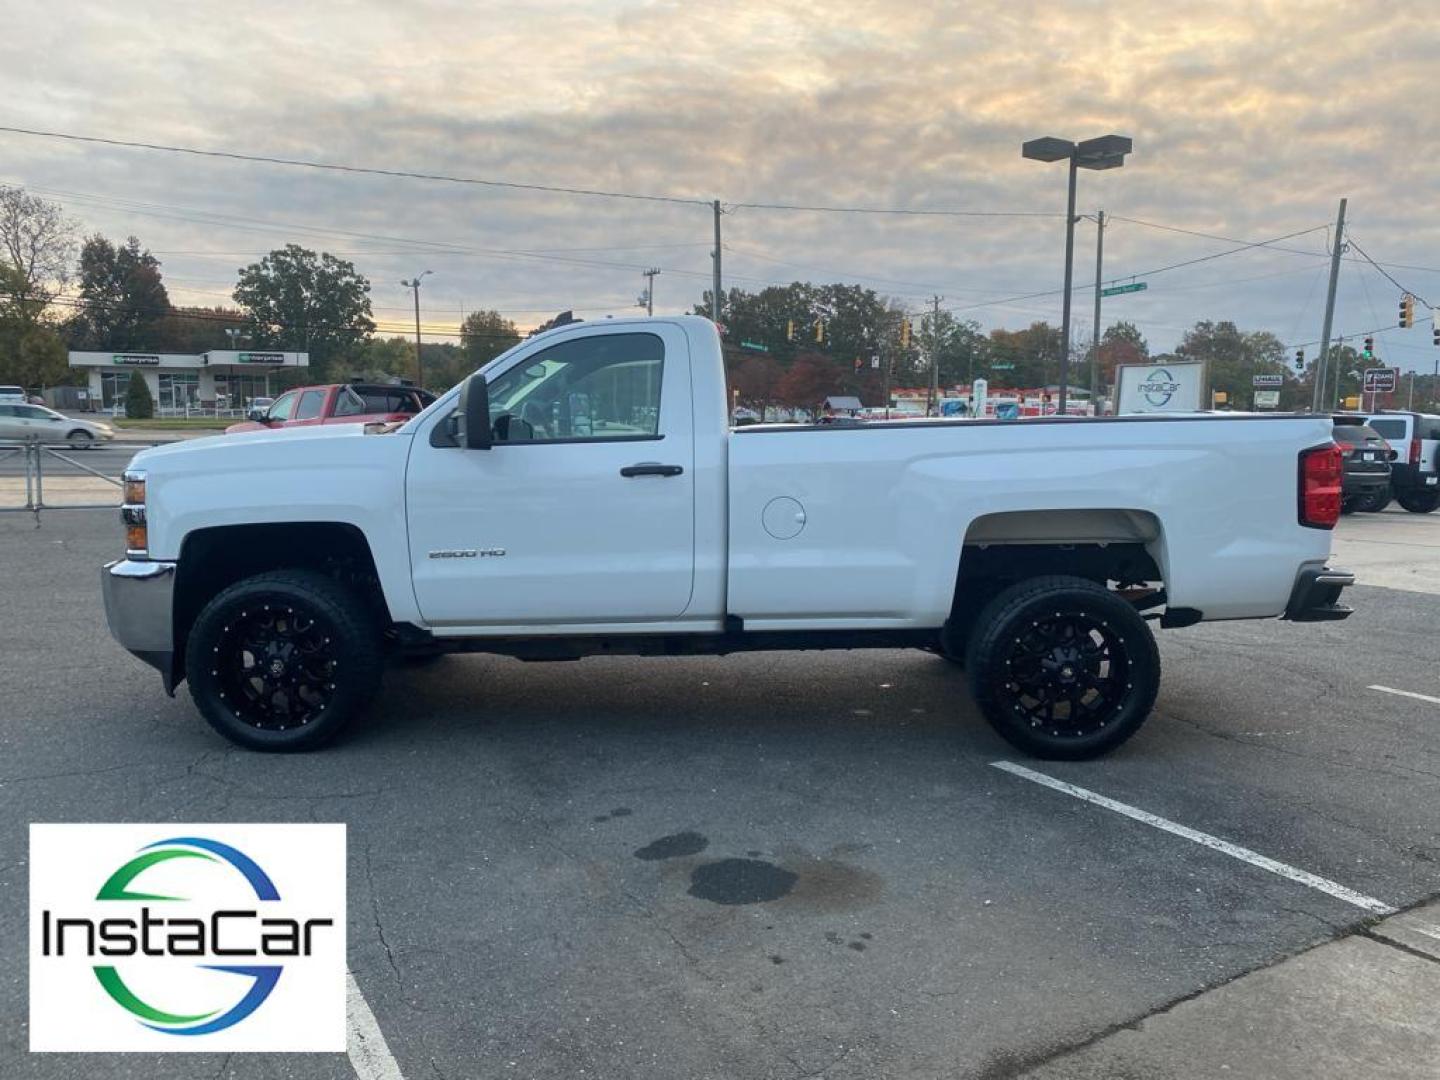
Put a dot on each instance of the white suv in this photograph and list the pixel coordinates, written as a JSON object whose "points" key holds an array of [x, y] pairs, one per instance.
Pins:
{"points": [[13, 395], [1415, 474]]}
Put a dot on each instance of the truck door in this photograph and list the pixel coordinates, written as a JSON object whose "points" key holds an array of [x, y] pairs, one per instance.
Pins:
{"points": [[583, 510]]}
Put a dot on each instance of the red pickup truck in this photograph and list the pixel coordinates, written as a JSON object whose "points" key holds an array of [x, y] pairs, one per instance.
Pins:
{"points": [[338, 403]]}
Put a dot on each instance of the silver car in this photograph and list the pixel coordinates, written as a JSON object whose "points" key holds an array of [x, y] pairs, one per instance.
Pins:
{"points": [[20, 422]]}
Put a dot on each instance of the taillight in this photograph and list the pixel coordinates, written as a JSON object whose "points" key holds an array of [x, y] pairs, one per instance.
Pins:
{"points": [[1320, 477], [1414, 451]]}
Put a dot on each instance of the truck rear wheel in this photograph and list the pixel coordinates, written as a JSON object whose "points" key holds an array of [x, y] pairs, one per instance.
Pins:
{"points": [[283, 660], [1419, 502], [1063, 668]]}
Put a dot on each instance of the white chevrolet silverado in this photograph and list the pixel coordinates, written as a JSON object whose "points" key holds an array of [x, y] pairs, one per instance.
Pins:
{"points": [[584, 494]]}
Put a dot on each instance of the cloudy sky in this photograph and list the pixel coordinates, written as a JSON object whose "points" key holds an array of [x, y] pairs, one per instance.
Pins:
{"points": [[1250, 121]]}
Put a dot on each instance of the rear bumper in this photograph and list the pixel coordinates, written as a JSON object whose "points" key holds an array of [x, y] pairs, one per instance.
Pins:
{"points": [[139, 606], [1316, 594]]}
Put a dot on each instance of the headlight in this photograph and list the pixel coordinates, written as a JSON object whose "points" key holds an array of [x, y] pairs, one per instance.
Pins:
{"points": [[132, 513]]}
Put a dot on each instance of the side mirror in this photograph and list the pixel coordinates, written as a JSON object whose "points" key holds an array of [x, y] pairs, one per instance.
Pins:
{"points": [[474, 417]]}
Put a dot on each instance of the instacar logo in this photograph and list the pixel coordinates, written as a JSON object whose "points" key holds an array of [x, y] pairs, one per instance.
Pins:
{"points": [[188, 939]]}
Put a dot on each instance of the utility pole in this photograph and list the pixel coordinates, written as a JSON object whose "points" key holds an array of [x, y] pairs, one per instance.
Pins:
{"points": [[1095, 346], [414, 284], [650, 290], [1321, 367], [934, 402], [715, 296]]}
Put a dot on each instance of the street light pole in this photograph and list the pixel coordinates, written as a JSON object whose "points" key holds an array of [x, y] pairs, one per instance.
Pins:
{"points": [[1104, 152], [414, 285], [1069, 272]]}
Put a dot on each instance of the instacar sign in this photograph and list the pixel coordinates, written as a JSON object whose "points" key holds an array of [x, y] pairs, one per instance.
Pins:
{"points": [[1159, 388]]}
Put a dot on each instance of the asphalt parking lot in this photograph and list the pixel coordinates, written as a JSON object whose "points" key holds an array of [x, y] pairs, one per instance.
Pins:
{"points": [[787, 865]]}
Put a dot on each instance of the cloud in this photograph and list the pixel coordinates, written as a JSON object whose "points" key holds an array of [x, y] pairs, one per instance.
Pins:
{"points": [[1250, 120]]}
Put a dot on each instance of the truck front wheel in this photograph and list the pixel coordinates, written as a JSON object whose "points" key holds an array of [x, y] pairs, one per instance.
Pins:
{"points": [[283, 660], [1063, 668]]}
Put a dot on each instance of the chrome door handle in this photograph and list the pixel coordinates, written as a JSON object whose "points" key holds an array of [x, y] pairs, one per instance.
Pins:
{"points": [[652, 468]]}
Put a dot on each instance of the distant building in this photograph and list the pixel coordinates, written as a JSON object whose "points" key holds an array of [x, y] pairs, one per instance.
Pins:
{"points": [[221, 380]]}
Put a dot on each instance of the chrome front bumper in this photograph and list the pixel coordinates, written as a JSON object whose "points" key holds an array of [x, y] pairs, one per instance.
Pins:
{"points": [[139, 606]]}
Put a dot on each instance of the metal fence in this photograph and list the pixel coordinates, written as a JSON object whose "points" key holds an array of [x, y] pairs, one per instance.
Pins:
{"points": [[36, 462]]}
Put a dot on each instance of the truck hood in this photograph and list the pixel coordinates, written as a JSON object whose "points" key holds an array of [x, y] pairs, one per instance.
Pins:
{"points": [[251, 444]]}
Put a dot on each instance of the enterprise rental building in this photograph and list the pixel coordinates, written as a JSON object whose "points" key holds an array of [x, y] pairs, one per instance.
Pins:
{"points": [[219, 381]]}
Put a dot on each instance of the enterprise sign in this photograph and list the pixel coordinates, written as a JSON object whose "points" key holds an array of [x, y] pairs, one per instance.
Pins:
{"points": [[261, 357], [135, 359]]}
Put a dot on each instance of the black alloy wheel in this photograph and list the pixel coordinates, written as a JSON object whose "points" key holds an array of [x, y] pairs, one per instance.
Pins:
{"points": [[1063, 667], [283, 660]]}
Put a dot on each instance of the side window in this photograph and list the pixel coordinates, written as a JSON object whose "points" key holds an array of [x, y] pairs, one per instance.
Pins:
{"points": [[311, 404], [349, 403], [283, 404], [605, 386]]}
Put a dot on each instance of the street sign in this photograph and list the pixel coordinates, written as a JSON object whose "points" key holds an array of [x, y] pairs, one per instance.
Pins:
{"points": [[1267, 399], [1003, 366], [754, 346], [1268, 382], [1381, 380], [1116, 290]]}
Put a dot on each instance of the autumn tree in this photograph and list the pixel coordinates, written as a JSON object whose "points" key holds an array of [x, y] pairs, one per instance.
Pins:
{"points": [[1233, 356]]}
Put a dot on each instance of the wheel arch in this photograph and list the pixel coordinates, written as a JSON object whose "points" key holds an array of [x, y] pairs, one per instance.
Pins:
{"points": [[1121, 545], [213, 558]]}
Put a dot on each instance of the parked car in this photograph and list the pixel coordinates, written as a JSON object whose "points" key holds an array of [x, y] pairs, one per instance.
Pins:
{"points": [[338, 403], [1415, 475], [261, 404], [36, 421], [1367, 457], [15, 394], [584, 494]]}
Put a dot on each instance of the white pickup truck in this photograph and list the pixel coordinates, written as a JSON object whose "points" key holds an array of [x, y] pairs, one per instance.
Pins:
{"points": [[584, 494]]}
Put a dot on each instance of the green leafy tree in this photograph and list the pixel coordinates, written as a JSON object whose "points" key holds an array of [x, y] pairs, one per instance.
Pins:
{"points": [[1233, 356], [124, 297], [139, 405], [484, 335], [963, 348], [38, 358], [1033, 353], [295, 299]]}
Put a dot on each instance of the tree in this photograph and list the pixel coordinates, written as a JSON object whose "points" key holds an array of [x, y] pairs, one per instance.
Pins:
{"points": [[36, 241], [484, 335], [294, 299], [1233, 356], [808, 381], [1033, 355], [36, 244], [963, 349], [36, 358], [139, 405], [753, 378], [124, 299]]}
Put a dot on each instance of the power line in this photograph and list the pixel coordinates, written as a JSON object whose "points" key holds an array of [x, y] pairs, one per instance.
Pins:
{"points": [[301, 163], [554, 189], [1385, 273]]}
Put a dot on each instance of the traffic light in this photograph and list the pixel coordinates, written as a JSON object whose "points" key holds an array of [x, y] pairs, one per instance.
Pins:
{"points": [[1299, 359], [904, 333], [790, 330], [1369, 348], [1407, 311], [819, 331]]}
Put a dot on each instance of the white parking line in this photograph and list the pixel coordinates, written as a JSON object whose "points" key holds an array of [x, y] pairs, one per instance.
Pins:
{"points": [[1405, 693], [370, 1055], [1235, 851]]}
